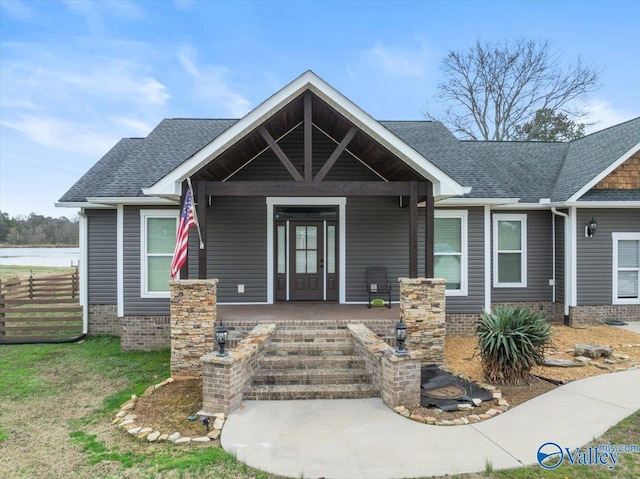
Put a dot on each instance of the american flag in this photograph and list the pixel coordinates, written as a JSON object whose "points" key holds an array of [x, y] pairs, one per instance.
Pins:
{"points": [[187, 220]]}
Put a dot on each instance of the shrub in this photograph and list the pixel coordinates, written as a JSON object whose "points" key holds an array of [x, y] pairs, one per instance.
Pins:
{"points": [[512, 341]]}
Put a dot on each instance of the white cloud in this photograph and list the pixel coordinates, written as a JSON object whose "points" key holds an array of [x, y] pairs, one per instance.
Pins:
{"points": [[211, 83], [601, 114], [131, 124], [398, 60], [63, 135]]}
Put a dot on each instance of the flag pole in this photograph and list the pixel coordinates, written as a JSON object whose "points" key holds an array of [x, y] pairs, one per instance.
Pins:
{"points": [[195, 214]]}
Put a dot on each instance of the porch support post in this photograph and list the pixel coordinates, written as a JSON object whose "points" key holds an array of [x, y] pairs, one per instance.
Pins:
{"points": [[413, 229], [202, 219], [308, 133], [184, 270], [429, 223]]}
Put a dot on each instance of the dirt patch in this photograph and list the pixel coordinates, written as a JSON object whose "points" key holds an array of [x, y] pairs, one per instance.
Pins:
{"points": [[462, 356], [169, 407]]}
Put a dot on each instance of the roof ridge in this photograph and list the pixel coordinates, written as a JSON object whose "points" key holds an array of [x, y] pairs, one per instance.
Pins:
{"points": [[617, 125]]}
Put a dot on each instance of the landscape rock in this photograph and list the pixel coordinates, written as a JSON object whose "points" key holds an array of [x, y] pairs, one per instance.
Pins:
{"points": [[174, 437], [561, 363], [218, 423], [503, 402], [183, 441], [201, 439], [593, 351], [134, 430], [213, 435], [473, 418], [144, 432], [163, 437], [476, 401], [465, 407], [125, 423], [154, 436], [417, 418], [582, 359]]}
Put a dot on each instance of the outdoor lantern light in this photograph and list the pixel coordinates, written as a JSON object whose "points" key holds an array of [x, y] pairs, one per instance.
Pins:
{"points": [[401, 336], [221, 338], [590, 229]]}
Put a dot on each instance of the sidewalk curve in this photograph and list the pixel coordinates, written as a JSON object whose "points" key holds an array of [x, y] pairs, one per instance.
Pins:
{"points": [[364, 439]]}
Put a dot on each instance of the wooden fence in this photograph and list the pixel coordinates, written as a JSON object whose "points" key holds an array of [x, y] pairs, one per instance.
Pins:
{"points": [[40, 308]]}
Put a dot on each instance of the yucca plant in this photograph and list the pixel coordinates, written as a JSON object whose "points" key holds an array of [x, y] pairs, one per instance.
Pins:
{"points": [[512, 340]]}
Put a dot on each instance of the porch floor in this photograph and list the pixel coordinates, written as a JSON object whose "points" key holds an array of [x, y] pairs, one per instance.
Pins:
{"points": [[312, 311]]}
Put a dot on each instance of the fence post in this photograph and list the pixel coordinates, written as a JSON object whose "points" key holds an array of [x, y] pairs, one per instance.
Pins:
{"points": [[2, 323], [31, 285], [75, 283]]}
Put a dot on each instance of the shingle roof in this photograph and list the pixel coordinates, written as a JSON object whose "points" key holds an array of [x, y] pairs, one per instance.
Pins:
{"points": [[525, 170], [135, 164], [591, 155], [611, 195]]}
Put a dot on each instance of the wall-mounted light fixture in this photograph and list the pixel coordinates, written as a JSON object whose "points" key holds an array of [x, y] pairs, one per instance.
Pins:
{"points": [[590, 229]]}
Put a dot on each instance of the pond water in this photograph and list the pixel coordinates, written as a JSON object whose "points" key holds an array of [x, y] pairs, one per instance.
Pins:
{"points": [[39, 256]]}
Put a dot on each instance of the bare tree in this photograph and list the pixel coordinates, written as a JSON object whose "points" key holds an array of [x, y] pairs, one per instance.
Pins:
{"points": [[494, 87]]}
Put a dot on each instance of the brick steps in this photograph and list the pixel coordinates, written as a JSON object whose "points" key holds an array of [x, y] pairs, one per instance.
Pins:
{"points": [[314, 391], [307, 363], [318, 376]]}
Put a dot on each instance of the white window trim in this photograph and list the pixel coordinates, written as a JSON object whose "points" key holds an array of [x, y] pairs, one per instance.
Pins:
{"points": [[463, 216], [523, 248], [614, 261], [144, 270]]}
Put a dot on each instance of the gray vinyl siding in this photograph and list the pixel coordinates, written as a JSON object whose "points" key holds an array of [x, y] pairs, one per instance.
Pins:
{"points": [[539, 261], [474, 301], [377, 235], [267, 166], [594, 255], [237, 247], [102, 256], [560, 258], [133, 303]]}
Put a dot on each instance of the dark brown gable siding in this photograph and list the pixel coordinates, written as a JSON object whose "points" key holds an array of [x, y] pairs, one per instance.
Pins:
{"points": [[268, 167]]}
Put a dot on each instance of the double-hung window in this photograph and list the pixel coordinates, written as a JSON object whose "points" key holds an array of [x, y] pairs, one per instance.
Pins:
{"points": [[626, 268], [510, 250], [157, 242], [450, 250]]}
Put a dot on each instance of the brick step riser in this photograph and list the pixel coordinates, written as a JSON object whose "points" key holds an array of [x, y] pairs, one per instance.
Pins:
{"points": [[299, 395], [311, 351], [306, 334], [308, 381], [310, 362]]}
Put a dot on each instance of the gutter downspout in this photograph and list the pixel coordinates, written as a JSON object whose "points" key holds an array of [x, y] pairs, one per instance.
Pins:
{"points": [[567, 262]]}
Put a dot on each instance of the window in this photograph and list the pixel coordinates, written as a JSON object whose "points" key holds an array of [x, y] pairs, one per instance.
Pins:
{"points": [[510, 250], [450, 250], [626, 268], [157, 242]]}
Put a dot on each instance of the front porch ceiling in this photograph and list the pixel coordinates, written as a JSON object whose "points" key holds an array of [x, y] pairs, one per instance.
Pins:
{"points": [[324, 119]]}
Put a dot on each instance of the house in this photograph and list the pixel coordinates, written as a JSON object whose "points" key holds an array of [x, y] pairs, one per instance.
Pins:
{"points": [[298, 197]]}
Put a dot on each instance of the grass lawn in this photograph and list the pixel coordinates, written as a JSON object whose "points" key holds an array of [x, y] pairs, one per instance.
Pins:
{"points": [[57, 403], [7, 272]]}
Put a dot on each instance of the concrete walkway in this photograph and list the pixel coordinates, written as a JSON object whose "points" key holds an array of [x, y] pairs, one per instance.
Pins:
{"points": [[364, 439]]}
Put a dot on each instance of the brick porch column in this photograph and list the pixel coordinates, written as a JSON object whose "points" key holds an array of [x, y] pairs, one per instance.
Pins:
{"points": [[193, 317], [422, 305]]}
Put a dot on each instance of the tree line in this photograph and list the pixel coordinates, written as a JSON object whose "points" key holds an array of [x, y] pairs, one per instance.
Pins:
{"points": [[37, 229]]}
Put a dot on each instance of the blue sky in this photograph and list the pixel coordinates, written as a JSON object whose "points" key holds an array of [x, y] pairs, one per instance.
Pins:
{"points": [[76, 76]]}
